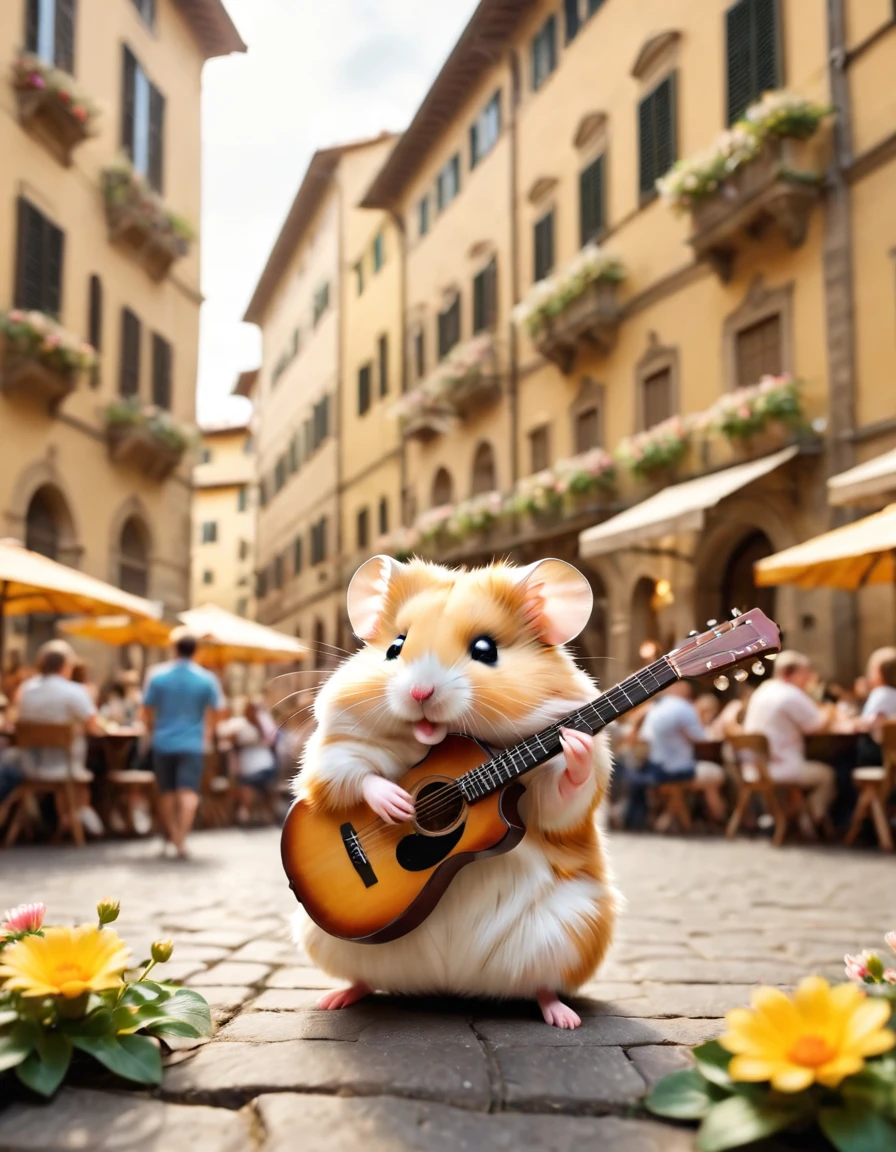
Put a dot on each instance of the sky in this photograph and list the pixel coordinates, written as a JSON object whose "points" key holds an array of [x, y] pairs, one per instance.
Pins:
{"points": [[316, 74]]}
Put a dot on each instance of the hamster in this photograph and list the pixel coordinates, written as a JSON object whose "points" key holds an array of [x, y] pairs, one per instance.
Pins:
{"points": [[478, 652]]}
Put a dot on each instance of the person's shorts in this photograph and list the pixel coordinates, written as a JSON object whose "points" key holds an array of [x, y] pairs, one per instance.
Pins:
{"points": [[178, 771], [262, 781]]}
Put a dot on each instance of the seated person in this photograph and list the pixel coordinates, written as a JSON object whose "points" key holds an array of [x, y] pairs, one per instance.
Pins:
{"points": [[879, 707], [117, 708], [253, 735]]}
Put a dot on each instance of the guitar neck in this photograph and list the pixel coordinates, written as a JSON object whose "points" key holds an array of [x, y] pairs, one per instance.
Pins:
{"points": [[513, 762]]}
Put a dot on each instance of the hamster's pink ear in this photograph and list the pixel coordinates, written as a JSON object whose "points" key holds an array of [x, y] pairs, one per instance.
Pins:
{"points": [[367, 594], [558, 600]]}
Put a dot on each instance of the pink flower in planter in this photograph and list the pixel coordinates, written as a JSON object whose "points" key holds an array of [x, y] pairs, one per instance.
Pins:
{"points": [[856, 967], [890, 975], [16, 316], [36, 80], [25, 918], [79, 113], [890, 938]]}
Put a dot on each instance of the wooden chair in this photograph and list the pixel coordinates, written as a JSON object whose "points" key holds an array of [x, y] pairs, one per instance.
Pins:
{"points": [[874, 786], [751, 759], [672, 797], [63, 790], [216, 802], [123, 783]]}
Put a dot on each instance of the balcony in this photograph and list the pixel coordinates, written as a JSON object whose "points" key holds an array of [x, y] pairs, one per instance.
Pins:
{"points": [[52, 107], [139, 220], [42, 361], [577, 309], [467, 380], [145, 438], [423, 416]]}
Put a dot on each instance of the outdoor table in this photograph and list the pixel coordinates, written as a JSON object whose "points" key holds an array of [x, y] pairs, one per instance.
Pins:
{"points": [[710, 750], [829, 747]]}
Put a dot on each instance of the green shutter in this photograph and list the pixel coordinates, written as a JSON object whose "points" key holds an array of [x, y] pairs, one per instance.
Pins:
{"points": [[65, 35], [646, 148], [766, 46], [591, 201], [664, 125], [738, 51]]}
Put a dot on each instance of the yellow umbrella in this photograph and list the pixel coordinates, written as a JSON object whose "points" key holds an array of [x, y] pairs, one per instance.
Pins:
{"points": [[119, 630], [31, 583], [849, 557], [226, 638]]}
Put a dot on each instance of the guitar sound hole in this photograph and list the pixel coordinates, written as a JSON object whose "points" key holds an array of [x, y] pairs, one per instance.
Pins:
{"points": [[439, 805]]}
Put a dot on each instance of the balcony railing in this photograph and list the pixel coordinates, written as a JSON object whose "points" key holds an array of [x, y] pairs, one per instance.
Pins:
{"points": [[42, 361], [145, 438], [140, 220], [52, 106]]}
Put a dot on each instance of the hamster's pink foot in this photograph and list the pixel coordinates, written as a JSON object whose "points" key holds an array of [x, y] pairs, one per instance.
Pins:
{"points": [[555, 1012], [578, 752], [343, 997]]}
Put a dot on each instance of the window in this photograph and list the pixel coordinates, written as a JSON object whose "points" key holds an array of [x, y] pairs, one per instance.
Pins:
{"points": [[383, 516], [753, 53], [359, 277], [485, 130], [758, 351], [308, 437], [205, 456], [382, 352], [539, 448], [572, 19], [261, 584], [39, 256], [363, 528], [129, 374], [297, 557], [321, 301], [319, 542], [544, 246], [320, 421], [248, 445], [242, 606], [133, 558], [591, 201], [586, 430], [95, 324], [442, 489], [242, 498], [420, 353], [209, 532], [485, 298], [364, 374], [593, 6], [208, 576], [161, 372], [656, 136], [142, 121], [423, 216], [449, 327], [448, 182], [293, 454], [243, 550], [279, 474], [378, 252], [484, 479], [656, 398], [544, 52], [147, 10], [262, 493], [277, 567], [50, 31]]}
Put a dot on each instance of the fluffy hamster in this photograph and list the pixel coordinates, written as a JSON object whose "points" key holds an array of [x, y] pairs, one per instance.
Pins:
{"points": [[479, 652]]}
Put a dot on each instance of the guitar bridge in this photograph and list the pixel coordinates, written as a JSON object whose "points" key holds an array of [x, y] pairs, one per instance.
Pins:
{"points": [[357, 855]]}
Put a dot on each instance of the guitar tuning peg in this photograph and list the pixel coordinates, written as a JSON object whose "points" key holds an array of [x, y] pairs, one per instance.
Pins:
{"points": [[735, 612], [711, 623], [773, 656], [693, 632], [721, 682], [758, 668], [740, 675]]}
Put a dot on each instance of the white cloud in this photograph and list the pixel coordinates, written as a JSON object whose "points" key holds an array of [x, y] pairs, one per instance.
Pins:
{"points": [[316, 74]]}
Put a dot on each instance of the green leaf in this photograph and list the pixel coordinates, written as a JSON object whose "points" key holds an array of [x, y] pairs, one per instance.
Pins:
{"points": [[740, 1120], [682, 1095], [17, 1043], [8, 1016], [190, 1008], [167, 1027], [44, 1070], [98, 1023], [713, 1061], [144, 992], [857, 1129], [131, 1057]]}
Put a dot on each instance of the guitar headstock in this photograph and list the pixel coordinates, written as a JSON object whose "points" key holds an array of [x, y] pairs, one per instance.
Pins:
{"points": [[726, 645]]}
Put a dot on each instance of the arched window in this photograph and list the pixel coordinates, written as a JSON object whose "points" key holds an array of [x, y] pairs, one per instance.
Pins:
{"points": [[320, 639], [133, 558], [484, 473], [442, 489], [644, 626], [42, 523]]}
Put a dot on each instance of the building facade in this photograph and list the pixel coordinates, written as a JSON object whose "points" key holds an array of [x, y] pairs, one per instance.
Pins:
{"points": [[223, 560], [536, 413], [100, 134]]}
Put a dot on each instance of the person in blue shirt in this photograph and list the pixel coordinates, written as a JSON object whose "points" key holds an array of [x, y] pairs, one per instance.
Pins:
{"points": [[180, 704]]}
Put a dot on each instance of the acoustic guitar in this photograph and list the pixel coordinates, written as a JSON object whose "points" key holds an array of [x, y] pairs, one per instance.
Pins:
{"points": [[362, 879]]}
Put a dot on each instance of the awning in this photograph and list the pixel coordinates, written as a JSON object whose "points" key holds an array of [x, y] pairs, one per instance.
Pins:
{"points": [[681, 508], [875, 479]]}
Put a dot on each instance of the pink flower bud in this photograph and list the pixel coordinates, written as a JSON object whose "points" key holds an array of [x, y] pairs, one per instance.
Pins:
{"points": [[856, 967], [890, 939], [889, 975], [25, 918]]}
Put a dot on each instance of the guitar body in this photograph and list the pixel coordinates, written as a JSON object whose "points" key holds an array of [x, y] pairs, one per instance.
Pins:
{"points": [[363, 880]]}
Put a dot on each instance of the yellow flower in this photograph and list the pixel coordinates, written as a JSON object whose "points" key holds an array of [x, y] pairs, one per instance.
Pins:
{"points": [[822, 1035], [64, 962]]}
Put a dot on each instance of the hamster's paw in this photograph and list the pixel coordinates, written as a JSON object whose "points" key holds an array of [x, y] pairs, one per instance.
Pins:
{"points": [[555, 1012], [343, 997], [578, 752], [390, 802]]}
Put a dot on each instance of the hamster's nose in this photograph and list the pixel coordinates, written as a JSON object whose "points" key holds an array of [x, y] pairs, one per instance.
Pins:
{"points": [[420, 694]]}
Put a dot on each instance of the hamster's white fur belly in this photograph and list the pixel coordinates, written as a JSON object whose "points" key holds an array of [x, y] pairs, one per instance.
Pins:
{"points": [[506, 927]]}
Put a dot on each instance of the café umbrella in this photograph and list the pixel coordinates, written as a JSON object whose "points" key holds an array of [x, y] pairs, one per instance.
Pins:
{"points": [[119, 630], [228, 639], [31, 583]]}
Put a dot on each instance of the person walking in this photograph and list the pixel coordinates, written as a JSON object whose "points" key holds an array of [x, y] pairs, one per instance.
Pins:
{"points": [[181, 703]]}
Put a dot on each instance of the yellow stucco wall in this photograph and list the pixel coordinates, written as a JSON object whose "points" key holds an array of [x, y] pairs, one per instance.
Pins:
{"points": [[226, 468]]}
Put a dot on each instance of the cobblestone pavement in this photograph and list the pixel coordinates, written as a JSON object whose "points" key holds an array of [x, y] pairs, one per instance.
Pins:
{"points": [[706, 919]]}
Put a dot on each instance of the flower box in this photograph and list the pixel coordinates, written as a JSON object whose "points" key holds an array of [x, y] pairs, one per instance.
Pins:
{"points": [[422, 415], [655, 455], [51, 106], [761, 418], [145, 438], [590, 320], [585, 480], [139, 220], [467, 381], [43, 360], [27, 376]]}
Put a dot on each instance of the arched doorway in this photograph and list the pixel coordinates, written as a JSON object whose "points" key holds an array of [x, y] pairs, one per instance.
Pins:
{"points": [[442, 489], [737, 589], [133, 558], [484, 473], [644, 623], [48, 527], [591, 648]]}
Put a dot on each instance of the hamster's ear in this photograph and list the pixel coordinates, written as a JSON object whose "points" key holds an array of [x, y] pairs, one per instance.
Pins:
{"points": [[367, 594], [558, 600]]}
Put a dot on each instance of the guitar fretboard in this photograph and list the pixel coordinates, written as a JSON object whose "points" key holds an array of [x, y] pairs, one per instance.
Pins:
{"points": [[511, 763]]}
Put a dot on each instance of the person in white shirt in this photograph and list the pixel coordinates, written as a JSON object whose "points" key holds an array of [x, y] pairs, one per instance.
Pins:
{"points": [[782, 710], [253, 735], [880, 705]]}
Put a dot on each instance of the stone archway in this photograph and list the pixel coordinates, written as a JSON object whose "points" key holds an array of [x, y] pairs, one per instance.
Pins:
{"points": [[644, 623], [48, 524], [40, 494], [737, 589], [133, 557]]}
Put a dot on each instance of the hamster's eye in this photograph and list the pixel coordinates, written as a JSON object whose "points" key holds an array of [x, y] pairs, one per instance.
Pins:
{"points": [[392, 652], [485, 650]]}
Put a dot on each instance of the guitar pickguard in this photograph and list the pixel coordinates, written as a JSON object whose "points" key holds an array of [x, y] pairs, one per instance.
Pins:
{"points": [[417, 853]]}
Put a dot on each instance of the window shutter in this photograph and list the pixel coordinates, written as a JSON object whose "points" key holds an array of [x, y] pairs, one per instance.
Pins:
{"points": [[591, 201], [32, 24], [65, 35], [54, 248], [544, 246], [766, 46], [128, 97], [738, 53], [156, 137], [664, 114], [384, 516], [161, 372], [129, 378], [384, 364], [474, 144], [30, 258], [571, 12], [479, 302], [646, 153], [491, 294], [95, 324]]}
